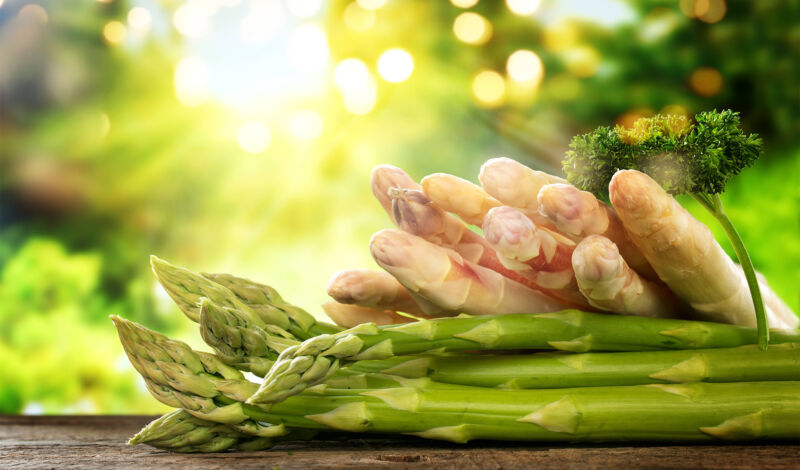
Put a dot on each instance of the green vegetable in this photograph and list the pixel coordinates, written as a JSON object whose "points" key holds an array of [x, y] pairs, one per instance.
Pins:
{"points": [[316, 359], [559, 370], [261, 303], [179, 431], [697, 159], [695, 412]]}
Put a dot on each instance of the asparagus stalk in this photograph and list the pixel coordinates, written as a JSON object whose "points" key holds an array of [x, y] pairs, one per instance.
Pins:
{"points": [[608, 283], [571, 330], [746, 410], [452, 282], [187, 288], [580, 214], [557, 370], [516, 185], [373, 289], [686, 256], [179, 431], [254, 350], [459, 196], [351, 315]]}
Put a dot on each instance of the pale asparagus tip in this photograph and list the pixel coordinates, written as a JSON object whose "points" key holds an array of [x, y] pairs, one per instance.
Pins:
{"points": [[596, 258], [634, 192], [415, 213], [349, 285], [511, 233], [385, 177], [412, 260], [349, 316], [498, 172], [566, 207]]}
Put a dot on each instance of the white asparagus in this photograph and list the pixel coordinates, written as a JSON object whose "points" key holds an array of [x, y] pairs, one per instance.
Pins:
{"points": [[386, 177], [516, 185], [608, 283], [685, 254], [350, 315], [373, 289], [415, 213], [448, 280], [541, 256], [466, 200], [579, 214]]}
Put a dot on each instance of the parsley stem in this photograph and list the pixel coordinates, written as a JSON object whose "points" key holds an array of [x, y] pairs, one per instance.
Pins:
{"points": [[713, 204]]}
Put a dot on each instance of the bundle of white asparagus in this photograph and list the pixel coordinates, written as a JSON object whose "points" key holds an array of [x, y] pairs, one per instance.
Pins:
{"points": [[525, 241]]}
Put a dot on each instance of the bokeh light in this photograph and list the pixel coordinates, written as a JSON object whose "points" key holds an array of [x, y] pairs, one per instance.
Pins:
{"points": [[304, 8], [114, 32], [253, 137], [472, 28], [581, 61], [705, 81], [708, 11], [523, 7], [192, 20], [525, 66], [628, 118], [560, 36], [305, 124], [351, 74], [395, 65], [464, 3], [371, 4], [140, 19], [489, 88], [357, 18], [308, 48], [361, 101], [34, 13], [262, 21], [191, 81]]}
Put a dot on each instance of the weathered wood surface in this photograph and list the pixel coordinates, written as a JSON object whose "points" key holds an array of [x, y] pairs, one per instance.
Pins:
{"points": [[65, 442]]}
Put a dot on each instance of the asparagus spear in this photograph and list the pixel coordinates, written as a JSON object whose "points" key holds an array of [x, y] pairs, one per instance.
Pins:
{"points": [[459, 196], [745, 410], [580, 214], [351, 315], [607, 281], [179, 431], [685, 254], [260, 297], [516, 185], [240, 342], [558, 370], [317, 358], [452, 282], [373, 289], [187, 288]]}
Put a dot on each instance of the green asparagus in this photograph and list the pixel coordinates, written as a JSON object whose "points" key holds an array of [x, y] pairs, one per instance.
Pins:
{"points": [[317, 358], [187, 288], [695, 412], [179, 431], [558, 370]]}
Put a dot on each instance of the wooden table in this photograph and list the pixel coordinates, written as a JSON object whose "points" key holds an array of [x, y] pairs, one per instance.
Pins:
{"points": [[64, 442]]}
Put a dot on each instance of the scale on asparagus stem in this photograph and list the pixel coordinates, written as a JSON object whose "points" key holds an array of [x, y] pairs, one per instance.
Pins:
{"points": [[696, 159]]}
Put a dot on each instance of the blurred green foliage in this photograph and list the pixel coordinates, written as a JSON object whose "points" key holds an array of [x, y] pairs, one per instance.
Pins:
{"points": [[101, 164]]}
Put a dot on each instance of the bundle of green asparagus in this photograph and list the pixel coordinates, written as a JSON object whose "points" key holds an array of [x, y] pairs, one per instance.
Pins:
{"points": [[562, 319]]}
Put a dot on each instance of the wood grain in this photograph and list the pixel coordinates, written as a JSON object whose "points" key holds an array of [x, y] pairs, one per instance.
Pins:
{"points": [[67, 442]]}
